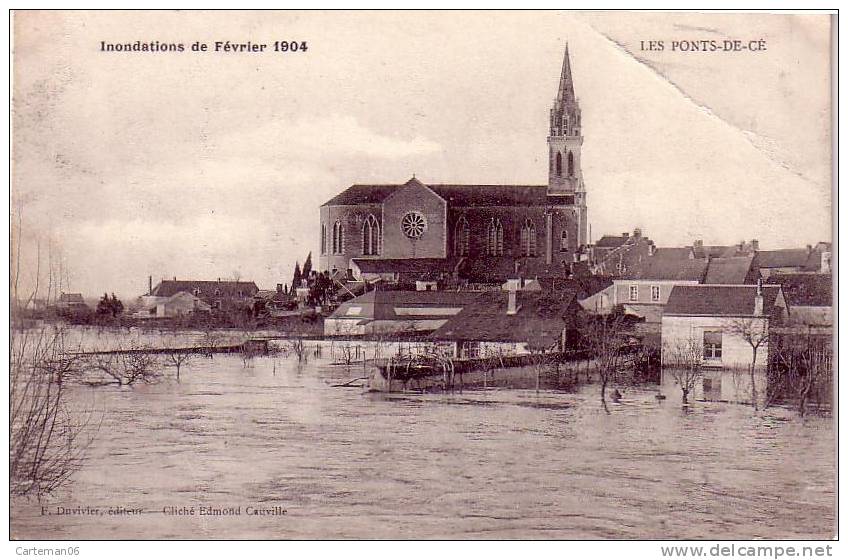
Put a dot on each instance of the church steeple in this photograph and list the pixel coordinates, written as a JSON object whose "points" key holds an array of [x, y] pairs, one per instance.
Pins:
{"points": [[566, 85], [565, 141], [565, 113]]}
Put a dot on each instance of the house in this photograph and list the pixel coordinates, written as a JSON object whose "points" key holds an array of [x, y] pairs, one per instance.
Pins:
{"points": [[178, 305], [790, 261], [71, 304], [488, 227], [810, 297], [510, 323], [618, 255], [645, 290], [218, 294], [392, 312], [717, 320]]}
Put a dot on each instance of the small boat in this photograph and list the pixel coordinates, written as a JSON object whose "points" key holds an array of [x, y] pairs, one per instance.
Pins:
{"points": [[660, 397]]}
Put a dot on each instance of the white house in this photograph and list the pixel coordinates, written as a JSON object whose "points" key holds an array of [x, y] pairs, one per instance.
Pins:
{"points": [[724, 321]]}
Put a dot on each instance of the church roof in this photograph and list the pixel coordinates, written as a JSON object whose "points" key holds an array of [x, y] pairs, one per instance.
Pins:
{"points": [[458, 195], [408, 266]]}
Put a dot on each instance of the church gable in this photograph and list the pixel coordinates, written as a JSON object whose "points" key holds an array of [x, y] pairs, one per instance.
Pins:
{"points": [[414, 223]]}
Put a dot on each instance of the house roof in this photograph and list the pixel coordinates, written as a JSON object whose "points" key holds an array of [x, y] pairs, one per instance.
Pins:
{"points": [[719, 301], [612, 241], [674, 253], [539, 320], [71, 298], [208, 288], [581, 286], [459, 195], [704, 251], [730, 270], [784, 258], [661, 268], [806, 290], [814, 261], [405, 266], [381, 305]]}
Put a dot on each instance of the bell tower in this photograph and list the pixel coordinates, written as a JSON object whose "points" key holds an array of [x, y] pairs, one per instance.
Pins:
{"points": [[565, 175]]}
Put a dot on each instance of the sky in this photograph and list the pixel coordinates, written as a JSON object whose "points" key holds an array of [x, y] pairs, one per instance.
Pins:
{"points": [[213, 165]]}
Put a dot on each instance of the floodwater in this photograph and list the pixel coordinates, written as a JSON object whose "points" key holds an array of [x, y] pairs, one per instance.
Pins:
{"points": [[334, 462]]}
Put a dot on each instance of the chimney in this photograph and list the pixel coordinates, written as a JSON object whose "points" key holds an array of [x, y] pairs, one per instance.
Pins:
{"points": [[512, 300], [758, 299], [625, 235], [279, 288], [150, 285], [809, 249]]}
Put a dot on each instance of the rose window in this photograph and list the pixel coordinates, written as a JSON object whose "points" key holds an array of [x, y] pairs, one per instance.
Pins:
{"points": [[413, 225]]}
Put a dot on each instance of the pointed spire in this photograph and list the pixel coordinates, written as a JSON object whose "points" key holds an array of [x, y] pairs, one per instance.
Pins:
{"points": [[566, 85]]}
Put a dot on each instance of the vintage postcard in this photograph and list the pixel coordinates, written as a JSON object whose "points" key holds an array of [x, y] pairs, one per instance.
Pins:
{"points": [[422, 275]]}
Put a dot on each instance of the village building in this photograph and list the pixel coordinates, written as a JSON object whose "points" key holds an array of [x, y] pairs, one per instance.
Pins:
{"points": [[722, 322], [385, 312], [619, 255], [180, 304], [645, 290], [791, 261], [217, 294], [71, 304], [477, 233], [512, 322]]}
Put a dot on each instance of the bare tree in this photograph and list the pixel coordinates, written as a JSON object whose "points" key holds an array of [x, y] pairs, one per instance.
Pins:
{"points": [[685, 358], [605, 338], [46, 438], [178, 357], [755, 333], [802, 371], [126, 366], [139, 365], [296, 347]]}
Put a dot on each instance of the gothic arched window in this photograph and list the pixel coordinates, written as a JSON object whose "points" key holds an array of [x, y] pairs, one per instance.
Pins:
{"points": [[323, 239], [461, 238], [528, 238], [338, 238], [494, 238], [370, 236], [570, 164], [559, 164], [563, 241]]}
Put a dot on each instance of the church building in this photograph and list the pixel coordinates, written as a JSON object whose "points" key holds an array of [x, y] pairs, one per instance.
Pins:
{"points": [[479, 233]]}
